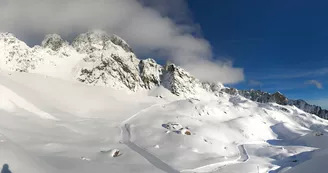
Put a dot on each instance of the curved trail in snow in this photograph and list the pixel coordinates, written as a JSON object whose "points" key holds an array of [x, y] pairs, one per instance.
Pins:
{"points": [[126, 135], [158, 163], [243, 157], [243, 153]]}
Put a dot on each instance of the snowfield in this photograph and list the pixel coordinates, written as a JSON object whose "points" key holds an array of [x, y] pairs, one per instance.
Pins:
{"points": [[93, 106], [50, 125]]}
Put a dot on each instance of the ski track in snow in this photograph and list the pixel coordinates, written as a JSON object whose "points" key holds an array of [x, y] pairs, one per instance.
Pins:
{"points": [[126, 135], [243, 153], [243, 157]]}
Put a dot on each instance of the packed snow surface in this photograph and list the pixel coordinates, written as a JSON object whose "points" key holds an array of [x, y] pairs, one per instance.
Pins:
{"points": [[55, 125]]}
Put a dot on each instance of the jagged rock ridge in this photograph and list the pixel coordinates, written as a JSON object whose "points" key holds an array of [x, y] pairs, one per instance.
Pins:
{"points": [[95, 58], [264, 97], [313, 109]]}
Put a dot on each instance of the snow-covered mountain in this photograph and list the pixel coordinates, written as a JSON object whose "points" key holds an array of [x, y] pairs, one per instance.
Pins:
{"points": [[313, 109], [265, 97], [92, 105], [96, 58]]}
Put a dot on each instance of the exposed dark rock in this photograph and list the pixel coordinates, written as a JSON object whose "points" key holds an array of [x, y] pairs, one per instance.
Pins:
{"points": [[178, 81], [120, 42], [150, 73], [53, 42]]}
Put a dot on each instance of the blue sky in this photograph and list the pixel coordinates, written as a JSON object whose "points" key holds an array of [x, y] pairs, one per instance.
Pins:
{"points": [[282, 45]]}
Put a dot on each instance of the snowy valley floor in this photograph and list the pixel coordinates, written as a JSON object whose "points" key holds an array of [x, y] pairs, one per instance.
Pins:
{"points": [[49, 125]]}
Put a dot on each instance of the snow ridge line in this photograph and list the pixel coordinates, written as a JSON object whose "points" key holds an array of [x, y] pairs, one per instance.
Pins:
{"points": [[152, 159]]}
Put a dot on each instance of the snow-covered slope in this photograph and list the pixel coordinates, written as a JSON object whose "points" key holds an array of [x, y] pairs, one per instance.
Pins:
{"points": [[170, 122], [153, 131], [15, 159]]}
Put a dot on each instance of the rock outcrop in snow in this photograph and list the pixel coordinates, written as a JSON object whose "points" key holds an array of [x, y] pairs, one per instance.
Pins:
{"points": [[264, 97], [179, 81], [150, 73], [53, 42]]}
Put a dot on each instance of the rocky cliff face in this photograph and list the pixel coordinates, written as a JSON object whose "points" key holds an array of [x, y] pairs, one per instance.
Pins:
{"points": [[106, 63], [180, 82], [150, 73]]}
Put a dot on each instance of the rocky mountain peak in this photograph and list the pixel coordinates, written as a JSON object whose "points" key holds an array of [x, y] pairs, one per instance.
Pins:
{"points": [[279, 98], [179, 81], [9, 40], [120, 42], [213, 87], [92, 40], [15, 55], [53, 42], [6, 36], [150, 72]]}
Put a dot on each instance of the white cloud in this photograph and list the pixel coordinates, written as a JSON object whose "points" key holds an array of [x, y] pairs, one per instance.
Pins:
{"points": [[209, 70], [147, 27], [315, 82]]}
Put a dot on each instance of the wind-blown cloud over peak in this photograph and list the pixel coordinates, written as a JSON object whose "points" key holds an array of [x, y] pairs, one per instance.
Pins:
{"points": [[151, 29], [315, 82]]}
